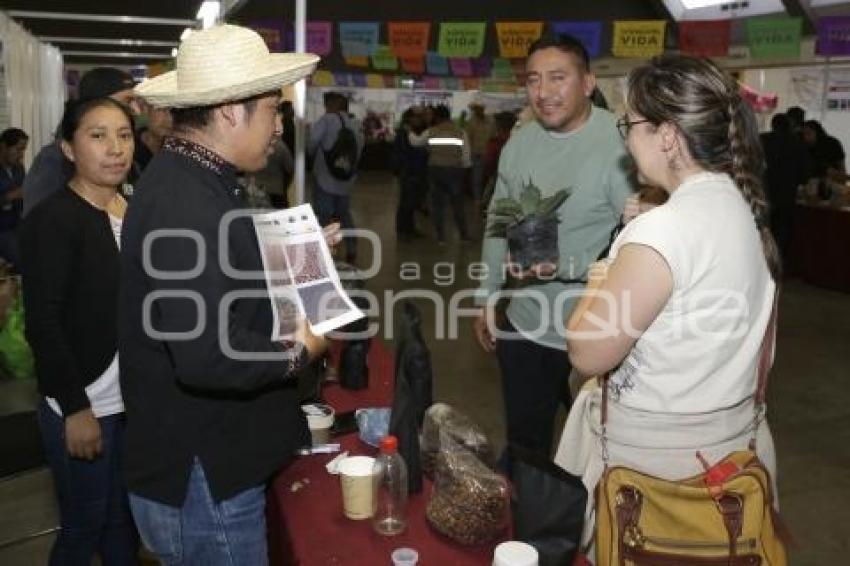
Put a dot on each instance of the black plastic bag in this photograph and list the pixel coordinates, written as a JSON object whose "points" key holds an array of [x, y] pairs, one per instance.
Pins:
{"points": [[404, 427], [354, 364], [413, 362], [534, 241], [547, 505]]}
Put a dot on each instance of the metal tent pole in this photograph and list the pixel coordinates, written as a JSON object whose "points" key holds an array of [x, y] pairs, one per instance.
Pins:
{"points": [[300, 104]]}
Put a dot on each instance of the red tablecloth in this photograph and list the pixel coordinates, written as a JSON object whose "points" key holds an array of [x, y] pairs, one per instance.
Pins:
{"points": [[314, 531], [307, 526], [819, 244]]}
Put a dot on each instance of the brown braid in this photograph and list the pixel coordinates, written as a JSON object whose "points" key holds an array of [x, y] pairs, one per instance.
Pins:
{"points": [[719, 127], [747, 163]]}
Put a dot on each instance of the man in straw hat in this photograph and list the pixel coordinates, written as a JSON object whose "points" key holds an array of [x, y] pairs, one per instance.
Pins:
{"points": [[212, 409]]}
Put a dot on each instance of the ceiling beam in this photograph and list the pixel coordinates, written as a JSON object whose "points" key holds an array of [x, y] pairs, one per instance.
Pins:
{"points": [[106, 41], [116, 54], [113, 19], [795, 9]]}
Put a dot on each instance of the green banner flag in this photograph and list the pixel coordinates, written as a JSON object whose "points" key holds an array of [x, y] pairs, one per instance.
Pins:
{"points": [[461, 39], [774, 36], [384, 59], [502, 69]]}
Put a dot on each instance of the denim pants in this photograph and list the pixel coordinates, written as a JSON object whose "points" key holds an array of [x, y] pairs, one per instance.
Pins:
{"points": [[202, 532], [330, 207], [94, 512], [447, 186]]}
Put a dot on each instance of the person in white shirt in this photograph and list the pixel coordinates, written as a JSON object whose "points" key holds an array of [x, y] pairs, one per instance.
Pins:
{"points": [[691, 284]]}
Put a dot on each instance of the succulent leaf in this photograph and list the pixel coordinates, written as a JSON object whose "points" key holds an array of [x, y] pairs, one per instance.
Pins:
{"points": [[551, 203], [507, 207], [508, 212], [530, 199], [499, 228]]}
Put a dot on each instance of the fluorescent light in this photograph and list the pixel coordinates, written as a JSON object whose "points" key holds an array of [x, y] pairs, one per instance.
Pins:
{"points": [[118, 54], [186, 33], [107, 41], [694, 4], [174, 52], [209, 13]]}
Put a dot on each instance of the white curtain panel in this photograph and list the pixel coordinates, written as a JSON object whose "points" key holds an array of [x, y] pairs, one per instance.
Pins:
{"points": [[34, 83]]}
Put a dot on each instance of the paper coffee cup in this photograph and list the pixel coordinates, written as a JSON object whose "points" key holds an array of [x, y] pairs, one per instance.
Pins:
{"points": [[515, 553], [320, 419], [355, 476]]}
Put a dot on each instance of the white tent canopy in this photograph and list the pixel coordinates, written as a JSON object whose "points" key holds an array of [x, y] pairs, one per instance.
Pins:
{"points": [[32, 88]]}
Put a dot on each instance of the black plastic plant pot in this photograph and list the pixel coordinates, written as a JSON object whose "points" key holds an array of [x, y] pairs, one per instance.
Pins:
{"points": [[534, 241]]}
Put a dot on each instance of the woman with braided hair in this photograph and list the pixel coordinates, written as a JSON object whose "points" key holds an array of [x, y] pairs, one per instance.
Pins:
{"points": [[683, 302]]}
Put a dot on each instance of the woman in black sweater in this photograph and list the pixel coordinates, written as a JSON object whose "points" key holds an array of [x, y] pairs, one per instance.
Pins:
{"points": [[69, 246]]}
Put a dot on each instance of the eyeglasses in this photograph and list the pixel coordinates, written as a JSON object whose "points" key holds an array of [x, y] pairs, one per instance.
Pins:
{"points": [[624, 125]]}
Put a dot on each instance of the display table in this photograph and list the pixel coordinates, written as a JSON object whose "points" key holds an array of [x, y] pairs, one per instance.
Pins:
{"points": [[304, 503], [819, 246]]}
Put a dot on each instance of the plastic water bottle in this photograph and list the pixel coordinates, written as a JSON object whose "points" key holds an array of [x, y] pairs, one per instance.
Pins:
{"points": [[390, 476]]}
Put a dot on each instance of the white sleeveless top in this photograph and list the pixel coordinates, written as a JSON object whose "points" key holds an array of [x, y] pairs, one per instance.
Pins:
{"points": [[701, 352]]}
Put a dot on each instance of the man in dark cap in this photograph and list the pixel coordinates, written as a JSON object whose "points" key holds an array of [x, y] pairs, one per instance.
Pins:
{"points": [[48, 173]]}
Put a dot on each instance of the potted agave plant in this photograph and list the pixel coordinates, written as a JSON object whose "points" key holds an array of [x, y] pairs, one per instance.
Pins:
{"points": [[530, 225]]}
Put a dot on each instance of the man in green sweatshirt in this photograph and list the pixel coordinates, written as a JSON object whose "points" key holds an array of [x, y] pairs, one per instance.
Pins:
{"points": [[570, 145]]}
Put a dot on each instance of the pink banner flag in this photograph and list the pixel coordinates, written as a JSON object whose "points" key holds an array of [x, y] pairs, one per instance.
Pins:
{"points": [[432, 83], [319, 38], [461, 67]]}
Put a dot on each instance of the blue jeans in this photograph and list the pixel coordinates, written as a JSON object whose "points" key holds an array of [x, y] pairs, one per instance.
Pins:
{"points": [[330, 207], [94, 513], [447, 186], [202, 532]]}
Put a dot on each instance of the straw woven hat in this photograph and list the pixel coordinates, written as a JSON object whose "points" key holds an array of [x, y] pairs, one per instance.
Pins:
{"points": [[221, 64]]}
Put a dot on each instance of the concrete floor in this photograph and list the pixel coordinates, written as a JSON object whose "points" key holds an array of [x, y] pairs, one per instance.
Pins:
{"points": [[809, 404]]}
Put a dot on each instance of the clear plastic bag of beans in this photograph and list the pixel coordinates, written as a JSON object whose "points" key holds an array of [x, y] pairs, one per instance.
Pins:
{"points": [[470, 503], [441, 418]]}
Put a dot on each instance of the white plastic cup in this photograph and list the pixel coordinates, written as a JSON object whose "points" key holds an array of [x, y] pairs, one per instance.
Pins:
{"points": [[405, 557], [320, 419], [515, 553], [358, 496]]}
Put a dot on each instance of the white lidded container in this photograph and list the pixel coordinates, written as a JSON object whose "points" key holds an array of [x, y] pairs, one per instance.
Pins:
{"points": [[515, 553]]}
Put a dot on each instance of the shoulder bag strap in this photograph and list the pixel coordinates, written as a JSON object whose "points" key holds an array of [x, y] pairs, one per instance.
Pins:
{"points": [[603, 417], [766, 353], [765, 359]]}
